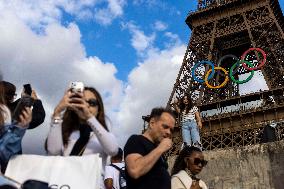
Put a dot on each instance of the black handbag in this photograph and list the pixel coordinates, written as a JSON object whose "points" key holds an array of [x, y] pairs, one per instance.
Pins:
{"points": [[35, 184]]}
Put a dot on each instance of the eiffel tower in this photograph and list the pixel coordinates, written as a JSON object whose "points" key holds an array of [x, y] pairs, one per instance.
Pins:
{"points": [[222, 30]]}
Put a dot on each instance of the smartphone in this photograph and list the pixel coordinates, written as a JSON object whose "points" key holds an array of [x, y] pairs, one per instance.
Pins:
{"points": [[28, 89], [77, 87], [25, 101]]}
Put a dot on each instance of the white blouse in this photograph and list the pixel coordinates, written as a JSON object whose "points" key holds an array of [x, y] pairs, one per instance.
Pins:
{"points": [[101, 141]]}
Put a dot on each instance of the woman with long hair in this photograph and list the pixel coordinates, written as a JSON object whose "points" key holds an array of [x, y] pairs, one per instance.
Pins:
{"points": [[187, 165], [11, 133], [190, 122], [78, 126], [5, 115]]}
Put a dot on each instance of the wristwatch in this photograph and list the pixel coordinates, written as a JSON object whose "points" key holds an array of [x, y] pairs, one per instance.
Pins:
{"points": [[57, 120]]}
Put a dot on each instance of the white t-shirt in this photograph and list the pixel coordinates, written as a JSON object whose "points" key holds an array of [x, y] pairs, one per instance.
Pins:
{"points": [[113, 173], [190, 115]]}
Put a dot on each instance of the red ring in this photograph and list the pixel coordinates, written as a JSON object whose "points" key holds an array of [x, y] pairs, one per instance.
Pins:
{"points": [[261, 63]]}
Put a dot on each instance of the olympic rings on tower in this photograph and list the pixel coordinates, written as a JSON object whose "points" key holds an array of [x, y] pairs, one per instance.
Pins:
{"points": [[232, 74], [222, 84], [199, 63], [261, 63], [233, 70]]}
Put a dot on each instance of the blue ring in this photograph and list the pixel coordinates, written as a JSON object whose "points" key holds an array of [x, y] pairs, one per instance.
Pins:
{"points": [[199, 63]]}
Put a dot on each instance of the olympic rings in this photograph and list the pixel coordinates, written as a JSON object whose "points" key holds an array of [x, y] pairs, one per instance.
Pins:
{"points": [[233, 70], [199, 63], [232, 74], [261, 63], [222, 84], [225, 57]]}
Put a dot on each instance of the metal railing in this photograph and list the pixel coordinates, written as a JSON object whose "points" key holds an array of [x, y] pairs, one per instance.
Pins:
{"points": [[203, 4]]}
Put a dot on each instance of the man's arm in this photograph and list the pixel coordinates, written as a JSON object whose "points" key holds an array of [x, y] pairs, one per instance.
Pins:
{"points": [[138, 165], [108, 183]]}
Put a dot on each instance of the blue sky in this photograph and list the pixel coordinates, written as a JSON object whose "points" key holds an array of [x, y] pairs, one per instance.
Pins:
{"points": [[131, 51], [111, 43]]}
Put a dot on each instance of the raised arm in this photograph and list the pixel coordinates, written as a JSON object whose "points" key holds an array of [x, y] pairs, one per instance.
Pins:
{"points": [[198, 119], [106, 138], [38, 112], [12, 136], [55, 138], [176, 106]]}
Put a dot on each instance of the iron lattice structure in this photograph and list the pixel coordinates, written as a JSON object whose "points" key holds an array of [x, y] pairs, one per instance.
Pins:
{"points": [[221, 27]]}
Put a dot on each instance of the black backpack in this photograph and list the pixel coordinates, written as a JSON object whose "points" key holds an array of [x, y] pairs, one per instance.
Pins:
{"points": [[122, 177]]}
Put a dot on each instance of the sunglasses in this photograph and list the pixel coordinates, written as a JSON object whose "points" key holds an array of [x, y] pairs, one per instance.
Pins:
{"points": [[198, 161], [92, 102]]}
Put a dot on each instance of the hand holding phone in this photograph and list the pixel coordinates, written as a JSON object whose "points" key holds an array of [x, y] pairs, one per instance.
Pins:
{"points": [[25, 101], [77, 87]]}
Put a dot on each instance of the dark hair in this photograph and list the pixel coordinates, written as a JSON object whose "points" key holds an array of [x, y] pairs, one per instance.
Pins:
{"points": [[119, 154], [71, 120], [186, 107], [179, 162], [157, 112], [9, 91], [2, 102]]}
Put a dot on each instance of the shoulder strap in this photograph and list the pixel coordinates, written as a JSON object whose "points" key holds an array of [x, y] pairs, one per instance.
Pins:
{"points": [[116, 167], [119, 169]]}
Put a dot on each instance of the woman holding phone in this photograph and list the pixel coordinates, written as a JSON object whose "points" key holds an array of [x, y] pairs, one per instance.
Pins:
{"points": [[78, 126], [11, 133]]}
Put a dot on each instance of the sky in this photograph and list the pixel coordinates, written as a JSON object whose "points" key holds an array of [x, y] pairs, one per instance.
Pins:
{"points": [[131, 51]]}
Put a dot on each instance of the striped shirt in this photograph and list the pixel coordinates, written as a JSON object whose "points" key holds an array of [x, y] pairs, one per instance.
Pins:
{"points": [[190, 115]]}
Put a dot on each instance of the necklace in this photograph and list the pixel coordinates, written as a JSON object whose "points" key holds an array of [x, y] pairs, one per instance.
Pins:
{"points": [[192, 176]]}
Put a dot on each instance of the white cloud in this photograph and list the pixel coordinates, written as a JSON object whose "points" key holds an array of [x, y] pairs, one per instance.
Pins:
{"points": [[50, 62], [139, 40], [52, 59], [173, 38], [149, 85], [38, 14], [113, 10], [116, 6], [160, 26]]}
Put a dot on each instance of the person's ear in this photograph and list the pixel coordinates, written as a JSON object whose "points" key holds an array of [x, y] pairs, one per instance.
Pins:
{"points": [[151, 123]]}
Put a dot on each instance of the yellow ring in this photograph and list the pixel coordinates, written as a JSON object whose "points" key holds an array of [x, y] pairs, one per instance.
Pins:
{"points": [[219, 86]]}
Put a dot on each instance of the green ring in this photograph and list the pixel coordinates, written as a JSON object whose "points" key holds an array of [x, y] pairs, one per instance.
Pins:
{"points": [[243, 81]]}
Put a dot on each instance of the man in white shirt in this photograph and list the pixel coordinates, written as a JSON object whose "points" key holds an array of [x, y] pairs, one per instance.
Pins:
{"points": [[112, 172]]}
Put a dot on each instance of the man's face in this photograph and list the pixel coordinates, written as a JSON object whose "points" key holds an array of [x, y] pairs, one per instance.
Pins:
{"points": [[162, 127]]}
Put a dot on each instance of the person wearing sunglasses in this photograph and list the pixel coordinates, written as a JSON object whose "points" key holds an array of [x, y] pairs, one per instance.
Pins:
{"points": [[187, 166], [78, 127], [38, 112]]}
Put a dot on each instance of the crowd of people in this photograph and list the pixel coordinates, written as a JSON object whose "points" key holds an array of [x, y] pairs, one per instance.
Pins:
{"points": [[78, 127]]}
